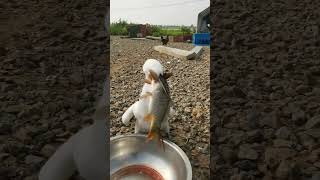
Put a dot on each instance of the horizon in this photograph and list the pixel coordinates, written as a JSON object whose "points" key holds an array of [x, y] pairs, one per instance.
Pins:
{"points": [[152, 24]]}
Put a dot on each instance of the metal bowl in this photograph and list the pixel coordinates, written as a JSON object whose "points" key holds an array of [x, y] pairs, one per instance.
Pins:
{"points": [[131, 157]]}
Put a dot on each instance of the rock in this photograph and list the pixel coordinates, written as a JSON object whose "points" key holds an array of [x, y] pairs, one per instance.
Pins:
{"points": [[313, 122], [22, 134], [242, 176], [31, 159], [269, 133], [316, 164], [6, 123], [84, 33], [245, 152], [283, 133], [282, 143], [283, 170], [187, 109], [247, 165], [34, 177], [3, 51], [76, 78], [228, 154], [273, 156], [314, 133], [302, 89], [52, 107], [238, 92], [306, 140], [47, 150], [14, 108], [255, 136], [290, 92], [197, 113], [253, 119], [309, 171], [299, 117], [267, 177], [237, 138], [315, 176], [270, 120], [3, 156], [7, 172]]}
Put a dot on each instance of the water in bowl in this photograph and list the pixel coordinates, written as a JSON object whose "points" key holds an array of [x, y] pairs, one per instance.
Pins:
{"points": [[136, 172]]}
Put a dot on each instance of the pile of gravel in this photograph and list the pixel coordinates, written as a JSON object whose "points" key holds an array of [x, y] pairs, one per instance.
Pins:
{"points": [[53, 63], [266, 94]]}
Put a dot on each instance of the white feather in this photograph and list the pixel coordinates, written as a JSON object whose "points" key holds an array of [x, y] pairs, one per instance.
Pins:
{"points": [[140, 108], [154, 65]]}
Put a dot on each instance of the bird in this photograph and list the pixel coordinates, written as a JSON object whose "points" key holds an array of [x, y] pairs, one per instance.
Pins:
{"points": [[139, 108], [164, 40]]}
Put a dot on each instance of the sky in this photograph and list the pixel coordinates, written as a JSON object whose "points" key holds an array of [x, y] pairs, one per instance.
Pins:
{"points": [[164, 12]]}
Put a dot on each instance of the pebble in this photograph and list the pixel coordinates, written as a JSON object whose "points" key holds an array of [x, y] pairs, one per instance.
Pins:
{"points": [[313, 122], [245, 152], [31, 159], [47, 150]]}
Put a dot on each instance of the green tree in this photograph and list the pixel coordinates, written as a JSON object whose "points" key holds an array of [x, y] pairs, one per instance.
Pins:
{"points": [[119, 28], [185, 30], [156, 31]]}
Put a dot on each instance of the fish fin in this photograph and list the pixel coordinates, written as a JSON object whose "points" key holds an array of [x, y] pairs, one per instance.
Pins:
{"points": [[167, 75], [147, 81], [156, 134], [153, 76], [147, 94], [149, 117], [150, 136]]}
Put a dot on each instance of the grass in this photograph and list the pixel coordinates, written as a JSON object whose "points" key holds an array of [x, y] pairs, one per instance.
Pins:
{"points": [[120, 28], [172, 32], [157, 31]]}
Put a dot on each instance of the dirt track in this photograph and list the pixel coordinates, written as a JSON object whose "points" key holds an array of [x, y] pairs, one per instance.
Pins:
{"points": [[189, 87]]}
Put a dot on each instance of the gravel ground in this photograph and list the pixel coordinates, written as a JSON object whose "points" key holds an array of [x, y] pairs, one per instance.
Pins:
{"points": [[53, 56], [189, 87], [265, 79]]}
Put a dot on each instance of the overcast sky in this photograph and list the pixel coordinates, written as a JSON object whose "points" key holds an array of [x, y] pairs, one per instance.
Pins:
{"points": [[164, 12]]}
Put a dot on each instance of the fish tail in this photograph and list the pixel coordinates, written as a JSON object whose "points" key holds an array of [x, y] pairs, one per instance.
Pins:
{"points": [[151, 135], [155, 134]]}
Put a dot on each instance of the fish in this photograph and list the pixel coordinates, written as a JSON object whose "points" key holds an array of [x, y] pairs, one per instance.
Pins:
{"points": [[140, 108], [159, 104]]}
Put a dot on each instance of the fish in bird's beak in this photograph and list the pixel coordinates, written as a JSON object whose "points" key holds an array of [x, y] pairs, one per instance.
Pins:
{"points": [[166, 75], [159, 104]]}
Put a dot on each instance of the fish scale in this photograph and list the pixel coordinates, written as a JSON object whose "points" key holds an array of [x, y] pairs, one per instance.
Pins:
{"points": [[159, 105]]}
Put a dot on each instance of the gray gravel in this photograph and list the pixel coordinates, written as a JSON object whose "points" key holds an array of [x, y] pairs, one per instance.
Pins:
{"points": [[265, 83], [189, 87], [53, 63]]}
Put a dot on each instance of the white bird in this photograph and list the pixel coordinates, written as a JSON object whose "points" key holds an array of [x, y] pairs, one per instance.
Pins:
{"points": [[139, 108]]}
